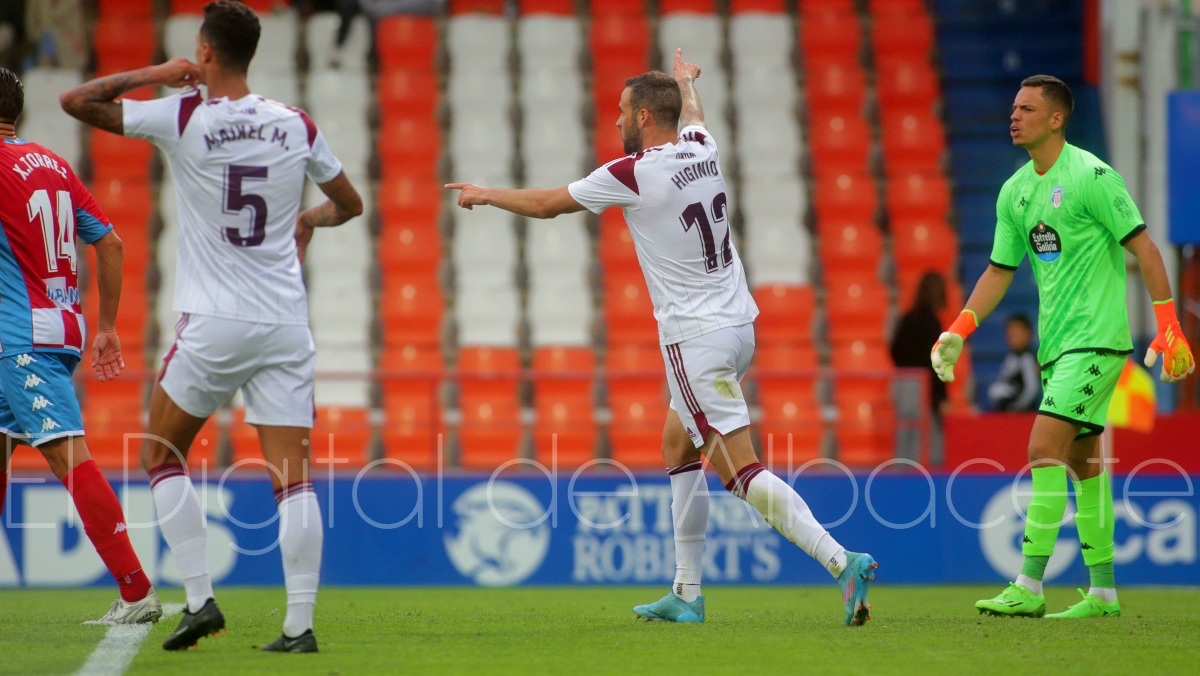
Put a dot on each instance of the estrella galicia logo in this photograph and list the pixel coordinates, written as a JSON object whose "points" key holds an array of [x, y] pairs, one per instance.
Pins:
{"points": [[1056, 196], [1046, 244], [499, 536]]}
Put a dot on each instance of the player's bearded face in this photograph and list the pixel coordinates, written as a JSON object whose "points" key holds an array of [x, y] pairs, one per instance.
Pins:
{"points": [[631, 134]]}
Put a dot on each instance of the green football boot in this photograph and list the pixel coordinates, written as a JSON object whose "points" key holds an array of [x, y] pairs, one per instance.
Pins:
{"points": [[1090, 606], [1014, 601]]}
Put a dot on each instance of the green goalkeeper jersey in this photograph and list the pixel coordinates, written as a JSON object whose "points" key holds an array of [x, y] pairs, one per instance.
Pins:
{"points": [[1073, 222]]}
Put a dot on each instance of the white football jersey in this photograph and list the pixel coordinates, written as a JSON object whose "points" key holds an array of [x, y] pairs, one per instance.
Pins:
{"points": [[677, 209], [239, 169]]}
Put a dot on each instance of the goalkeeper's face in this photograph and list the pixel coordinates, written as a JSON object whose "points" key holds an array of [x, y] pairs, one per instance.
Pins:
{"points": [[631, 133], [1033, 118]]}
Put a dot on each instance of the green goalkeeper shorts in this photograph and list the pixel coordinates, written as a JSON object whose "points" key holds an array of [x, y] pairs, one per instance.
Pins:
{"points": [[1078, 387]]}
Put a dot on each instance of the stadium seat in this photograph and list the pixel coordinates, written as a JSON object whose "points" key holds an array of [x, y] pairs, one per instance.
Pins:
{"points": [[925, 247], [906, 84], [495, 7], [617, 253], [829, 32], [124, 40], [756, 6], [636, 381], [834, 87], [411, 309], [628, 312], [850, 249], [901, 33], [840, 144], [856, 308], [563, 7], [887, 8], [489, 432], [409, 41], [341, 438], [785, 314], [913, 195], [792, 430], [865, 433], [565, 429], [410, 376], [912, 143], [852, 197]]}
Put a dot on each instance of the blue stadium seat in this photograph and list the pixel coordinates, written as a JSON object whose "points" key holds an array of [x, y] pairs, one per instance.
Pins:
{"points": [[985, 164], [1017, 13]]}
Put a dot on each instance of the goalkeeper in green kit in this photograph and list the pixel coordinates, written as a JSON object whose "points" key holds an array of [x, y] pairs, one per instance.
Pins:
{"points": [[1072, 215]]}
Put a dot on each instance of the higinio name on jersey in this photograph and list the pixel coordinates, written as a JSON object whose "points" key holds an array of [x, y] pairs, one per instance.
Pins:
{"points": [[693, 172]]}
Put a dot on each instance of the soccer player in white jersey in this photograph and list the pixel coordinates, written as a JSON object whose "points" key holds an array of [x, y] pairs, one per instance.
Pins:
{"points": [[672, 191], [239, 162]]}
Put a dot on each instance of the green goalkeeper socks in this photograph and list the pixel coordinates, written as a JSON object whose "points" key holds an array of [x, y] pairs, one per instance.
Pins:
{"points": [[1045, 512], [1094, 519]]}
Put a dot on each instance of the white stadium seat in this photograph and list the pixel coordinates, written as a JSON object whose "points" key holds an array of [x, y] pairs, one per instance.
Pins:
{"points": [[44, 121]]}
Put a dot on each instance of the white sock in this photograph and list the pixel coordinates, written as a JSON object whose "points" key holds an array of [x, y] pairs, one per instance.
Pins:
{"points": [[1031, 584], [787, 513], [689, 512], [301, 536], [1106, 594], [183, 527]]}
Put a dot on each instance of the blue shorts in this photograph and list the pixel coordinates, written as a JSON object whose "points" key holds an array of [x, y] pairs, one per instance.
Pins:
{"points": [[37, 397]]}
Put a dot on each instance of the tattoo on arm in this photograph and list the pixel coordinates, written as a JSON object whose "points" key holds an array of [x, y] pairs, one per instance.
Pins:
{"points": [[692, 112], [94, 102]]}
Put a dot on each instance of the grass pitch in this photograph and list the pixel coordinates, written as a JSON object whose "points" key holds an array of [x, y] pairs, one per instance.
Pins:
{"points": [[593, 631]]}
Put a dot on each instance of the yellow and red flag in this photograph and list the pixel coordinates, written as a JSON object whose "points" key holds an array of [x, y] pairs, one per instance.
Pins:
{"points": [[1133, 403]]}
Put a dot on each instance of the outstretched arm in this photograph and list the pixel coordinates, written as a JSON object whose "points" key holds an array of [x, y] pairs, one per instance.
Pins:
{"points": [[94, 102], [528, 202], [686, 75]]}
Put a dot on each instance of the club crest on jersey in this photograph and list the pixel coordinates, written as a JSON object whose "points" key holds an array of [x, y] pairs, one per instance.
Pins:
{"points": [[1056, 196], [1045, 242]]}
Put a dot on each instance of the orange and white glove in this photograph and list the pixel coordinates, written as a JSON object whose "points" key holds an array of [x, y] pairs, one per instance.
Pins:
{"points": [[949, 345], [1170, 343]]}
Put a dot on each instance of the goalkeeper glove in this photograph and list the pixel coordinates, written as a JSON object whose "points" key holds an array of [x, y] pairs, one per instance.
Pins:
{"points": [[949, 345], [1177, 356]]}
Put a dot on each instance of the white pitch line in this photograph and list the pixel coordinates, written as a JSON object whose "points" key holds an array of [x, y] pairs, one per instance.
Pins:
{"points": [[120, 645]]}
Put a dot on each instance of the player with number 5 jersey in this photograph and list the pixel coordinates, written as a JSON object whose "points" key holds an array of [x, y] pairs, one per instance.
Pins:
{"points": [[239, 163], [672, 191]]}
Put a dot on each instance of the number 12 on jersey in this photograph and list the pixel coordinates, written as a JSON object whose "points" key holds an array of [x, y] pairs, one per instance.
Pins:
{"points": [[60, 244], [696, 215]]}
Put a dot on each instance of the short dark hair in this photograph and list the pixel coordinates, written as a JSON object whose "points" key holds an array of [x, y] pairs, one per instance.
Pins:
{"points": [[659, 93], [12, 95], [1021, 319], [232, 29], [1055, 91]]}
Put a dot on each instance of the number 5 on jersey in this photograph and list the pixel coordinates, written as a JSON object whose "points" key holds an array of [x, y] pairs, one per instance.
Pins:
{"points": [[236, 200]]}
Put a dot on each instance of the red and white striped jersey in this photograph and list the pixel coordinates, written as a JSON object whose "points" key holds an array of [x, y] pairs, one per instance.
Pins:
{"points": [[675, 204], [43, 209], [239, 169]]}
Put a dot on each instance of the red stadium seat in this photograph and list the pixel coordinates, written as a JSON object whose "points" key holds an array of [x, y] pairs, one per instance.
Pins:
{"points": [[925, 247], [901, 33], [410, 377], [477, 7], [118, 157], [565, 430], [925, 195], [786, 314], [628, 312], [912, 142], [617, 253], [404, 40], [131, 8], [856, 309], [124, 40], [766, 6], [689, 6], [489, 432], [637, 399], [906, 84], [563, 7], [834, 87], [847, 197], [791, 428], [840, 144], [851, 249], [411, 309], [865, 432], [834, 33], [772, 359], [340, 439], [412, 248], [885, 8]]}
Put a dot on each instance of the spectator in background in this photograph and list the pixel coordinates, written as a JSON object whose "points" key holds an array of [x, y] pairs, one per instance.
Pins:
{"points": [[346, 11], [1018, 387], [910, 342], [56, 29], [12, 33]]}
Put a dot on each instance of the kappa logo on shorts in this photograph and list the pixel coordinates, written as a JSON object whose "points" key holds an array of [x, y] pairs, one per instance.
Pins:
{"points": [[48, 424], [24, 360], [1094, 370], [32, 380], [1079, 409], [1049, 402], [40, 402], [1087, 389]]}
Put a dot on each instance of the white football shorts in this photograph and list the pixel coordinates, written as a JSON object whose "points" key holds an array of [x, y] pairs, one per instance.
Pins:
{"points": [[272, 364], [705, 377]]}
